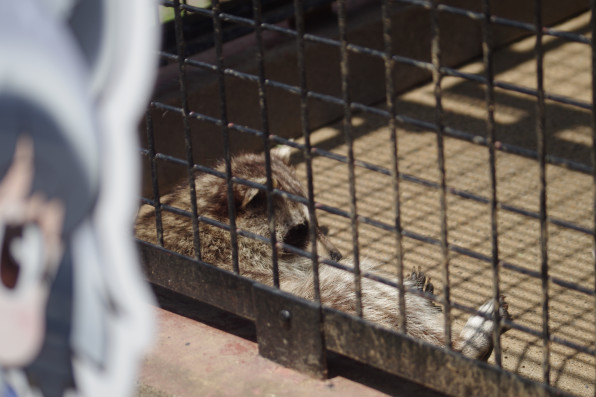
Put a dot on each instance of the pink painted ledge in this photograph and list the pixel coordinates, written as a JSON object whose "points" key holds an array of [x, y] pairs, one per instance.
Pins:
{"points": [[193, 359]]}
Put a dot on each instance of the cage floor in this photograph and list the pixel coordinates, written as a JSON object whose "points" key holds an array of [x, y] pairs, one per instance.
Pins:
{"points": [[569, 198]]}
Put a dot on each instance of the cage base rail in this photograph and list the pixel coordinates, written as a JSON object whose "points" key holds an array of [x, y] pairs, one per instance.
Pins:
{"points": [[286, 335]]}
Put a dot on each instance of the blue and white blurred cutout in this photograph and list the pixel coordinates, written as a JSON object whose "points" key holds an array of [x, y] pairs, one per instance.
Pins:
{"points": [[74, 309]]}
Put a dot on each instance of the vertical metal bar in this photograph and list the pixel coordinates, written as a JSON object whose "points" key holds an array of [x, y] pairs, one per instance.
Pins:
{"points": [[347, 126], [487, 52], [391, 106], [541, 149], [299, 17], [180, 47], [437, 77], [593, 45], [266, 142], [154, 181], [225, 131]]}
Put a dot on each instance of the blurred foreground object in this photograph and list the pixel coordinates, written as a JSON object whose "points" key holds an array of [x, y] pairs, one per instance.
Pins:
{"points": [[75, 77]]}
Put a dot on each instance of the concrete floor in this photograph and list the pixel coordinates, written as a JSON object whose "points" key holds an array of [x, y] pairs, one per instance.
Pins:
{"points": [[182, 364]]}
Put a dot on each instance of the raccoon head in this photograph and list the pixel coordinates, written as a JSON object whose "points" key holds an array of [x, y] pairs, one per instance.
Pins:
{"points": [[292, 218]]}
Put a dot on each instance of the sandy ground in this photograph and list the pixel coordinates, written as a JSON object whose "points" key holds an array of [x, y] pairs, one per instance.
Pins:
{"points": [[570, 198]]}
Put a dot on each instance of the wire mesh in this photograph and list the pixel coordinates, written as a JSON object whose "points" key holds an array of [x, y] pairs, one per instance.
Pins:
{"points": [[520, 232]]}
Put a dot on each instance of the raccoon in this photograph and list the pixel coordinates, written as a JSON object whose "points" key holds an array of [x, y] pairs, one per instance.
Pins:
{"points": [[292, 220], [292, 226]]}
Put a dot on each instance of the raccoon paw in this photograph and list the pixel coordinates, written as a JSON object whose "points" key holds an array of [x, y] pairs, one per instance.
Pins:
{"points": [[429, 287], [487, 308], [421, 280], [476, 336], [504, 312]]}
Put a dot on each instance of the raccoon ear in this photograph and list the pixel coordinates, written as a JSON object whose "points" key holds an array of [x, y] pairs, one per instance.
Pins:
{"points": [[248, 193], [282, 152]]}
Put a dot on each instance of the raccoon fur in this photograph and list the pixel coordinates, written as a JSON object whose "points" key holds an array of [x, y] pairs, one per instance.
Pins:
{"points": [[424, 319]]}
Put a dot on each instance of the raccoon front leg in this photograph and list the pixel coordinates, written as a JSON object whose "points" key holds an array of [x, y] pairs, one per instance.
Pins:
{"points": [[476, 338]]}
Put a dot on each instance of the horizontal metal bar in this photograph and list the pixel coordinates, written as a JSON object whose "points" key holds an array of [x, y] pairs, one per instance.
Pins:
{"points": [[447, 71], [198, 280], [451, 132], [534, 93], [170, 159], [403, 176], [236, 18], [420, 362], [145, 200], [231, 292], [529, 27], [478, 16]]}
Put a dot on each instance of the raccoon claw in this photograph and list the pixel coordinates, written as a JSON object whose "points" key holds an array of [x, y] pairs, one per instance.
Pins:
{"points": [[417, 277], [504, 311], [429, 287], [421, 281]]}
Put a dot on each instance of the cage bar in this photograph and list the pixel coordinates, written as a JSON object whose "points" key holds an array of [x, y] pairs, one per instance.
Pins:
{"points": [[439, 129], [487, 58], [257, 12], [218, 33], [593, 153], [154, 183], [391, 107], [349, 139], [180, 47], [306, 149]]}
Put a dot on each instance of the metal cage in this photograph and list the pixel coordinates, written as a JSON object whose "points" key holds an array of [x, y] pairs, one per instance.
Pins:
{"points": [[453, 135]]}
